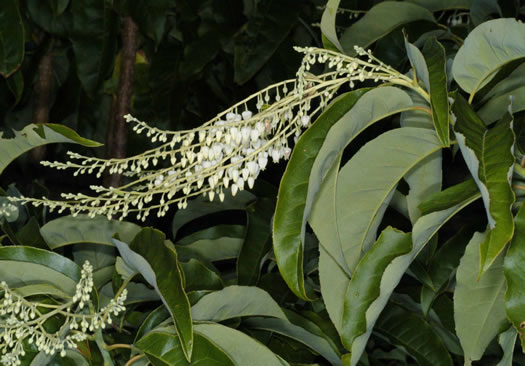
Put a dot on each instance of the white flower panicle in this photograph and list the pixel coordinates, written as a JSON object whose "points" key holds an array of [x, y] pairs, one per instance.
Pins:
{"points": [[226, 153], [22, 320]]}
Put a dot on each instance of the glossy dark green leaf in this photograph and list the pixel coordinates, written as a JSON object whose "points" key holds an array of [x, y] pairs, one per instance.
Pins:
{"points": [[260, 37], [200, 277], [479, 308], [284, 327], [69, 230], [152, 321], [257, 241], [362, 290], [158, 264], [165, 346], [93, 38], [50, 16], [328, 23], [23, 266], [486, 49], [29, 235], [416, 335], [435, 58], [11, 38], [515, 276], [236, 301], [33, 136], [450, 197], [381, 20], [489, 157]]}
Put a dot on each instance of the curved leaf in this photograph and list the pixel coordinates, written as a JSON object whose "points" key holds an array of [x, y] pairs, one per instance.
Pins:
{"points": [[515, 276], [299, 184], [479, 309], [158, 264], [69, 230], [449, 197], [153, 320], [200, 277], [361, 199], [33, 136], [236, 301], [437, 5], [381, 20], [486, 49], [23, 266], [415, 334], [242, 349], [328, 23], [362, 290], [284, 327], [507, 341], [424, 229], [165, 346], [11, 38], [490, 159], [497, 106]]}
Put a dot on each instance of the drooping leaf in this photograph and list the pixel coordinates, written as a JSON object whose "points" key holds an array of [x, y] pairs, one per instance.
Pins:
{"points": [[497, 106], [22, 266], [200, 277], [33, 136], [486, 49], [479, 309], [257, 241], [158, 264], [11, 38], [362, 290], [415, 334], [515, 276], [235, 301], [424, 229], [490, 159], [164, 345], [328, 22], [69, 230], [381, 20], [242, 349], [450, 197], [284, 327], [358, 207], [93, 37], [507, 341]]}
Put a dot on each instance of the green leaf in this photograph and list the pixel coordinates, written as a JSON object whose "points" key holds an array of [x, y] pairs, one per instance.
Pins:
{"points": [[11, 38], [37, 135], [358, 208], [489, 157], [515, 276], [235, 301], [16, 84], [93, 37], [29, 235], [437, 5], [200, 277], [48, 16], [362, 290], [284, 327], [486, 49], [435, 58], [450, 197], [242, 349], [158, 264], [424, 229], [24, 266], [497, 106], [150, 16], [482, 9], [415, 334], [165, 346], [152, 321], [69, 230], [257, 241], [479, 309], [302, 179], [260, 37], [99, 256], [507, 341], [381, 20], [328, 21]]}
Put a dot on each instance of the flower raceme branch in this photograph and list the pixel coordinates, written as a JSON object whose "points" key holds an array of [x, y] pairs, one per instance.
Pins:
{"points": [[22, 321], [227, 152]]}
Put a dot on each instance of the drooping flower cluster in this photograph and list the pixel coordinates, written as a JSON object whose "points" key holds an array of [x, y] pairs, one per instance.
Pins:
{"points": [[226, 153], [22, 320]]}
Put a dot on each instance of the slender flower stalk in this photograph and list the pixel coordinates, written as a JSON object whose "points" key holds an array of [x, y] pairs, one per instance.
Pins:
{"points": [[227, 152], [22, 321]]}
